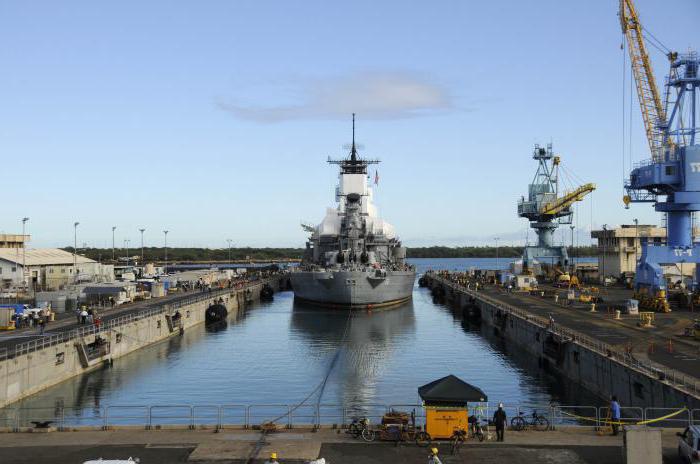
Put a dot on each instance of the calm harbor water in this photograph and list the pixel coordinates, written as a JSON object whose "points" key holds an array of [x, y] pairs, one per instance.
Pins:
{"points": [[279, 352]]}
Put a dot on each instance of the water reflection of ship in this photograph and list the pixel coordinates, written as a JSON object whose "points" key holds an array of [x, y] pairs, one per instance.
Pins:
{"points": [[371, 339]]}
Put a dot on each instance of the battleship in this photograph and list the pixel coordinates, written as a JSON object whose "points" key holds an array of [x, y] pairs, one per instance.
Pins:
{"points": [[353, 258]]}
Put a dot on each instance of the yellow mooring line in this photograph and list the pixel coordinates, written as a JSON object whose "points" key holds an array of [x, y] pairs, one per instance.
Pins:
{"points": [[609, 422]]}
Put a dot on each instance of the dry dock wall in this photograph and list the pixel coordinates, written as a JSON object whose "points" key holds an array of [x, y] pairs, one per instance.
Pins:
{"points": [[596, 371], [30, 372]]}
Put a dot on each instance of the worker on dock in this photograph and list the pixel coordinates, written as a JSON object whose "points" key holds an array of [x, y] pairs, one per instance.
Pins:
{"points": [[433, 458], [499, 419], [273, 459], [615, 415]]}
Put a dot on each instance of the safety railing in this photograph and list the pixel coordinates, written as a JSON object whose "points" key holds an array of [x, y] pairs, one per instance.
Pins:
{"points": [[289, 416], [662, 373], [112, 323]]}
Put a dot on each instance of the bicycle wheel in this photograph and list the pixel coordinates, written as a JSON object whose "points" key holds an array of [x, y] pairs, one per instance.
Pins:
{"points": [[422, 439], [517, 423], [480, 435], [455, 444], [541, 424], [368, 434]]}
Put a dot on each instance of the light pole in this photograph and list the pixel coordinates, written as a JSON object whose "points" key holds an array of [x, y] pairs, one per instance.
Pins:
{"points": [[638, 239], [75, 249], [573, 253], [24, 251], [142, 231], [229, 250], [165, 266], [113, 229], [605, 239], [497, 262]]}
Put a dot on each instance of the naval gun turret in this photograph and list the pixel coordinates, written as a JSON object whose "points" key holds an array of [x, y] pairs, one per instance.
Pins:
{"points": [[546, 209]]}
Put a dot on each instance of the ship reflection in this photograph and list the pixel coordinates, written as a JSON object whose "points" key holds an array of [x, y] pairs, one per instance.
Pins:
{"points": [[367, 341]]}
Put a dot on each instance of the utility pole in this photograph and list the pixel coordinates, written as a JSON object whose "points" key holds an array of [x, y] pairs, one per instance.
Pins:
{"points": [[24, 251], [165, 267], [126, 246], [75, 249], [229, 250], [142, 231], [113, 229]]}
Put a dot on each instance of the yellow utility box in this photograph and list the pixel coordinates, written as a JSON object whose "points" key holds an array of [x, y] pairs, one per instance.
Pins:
{"points": [[446, 403]]}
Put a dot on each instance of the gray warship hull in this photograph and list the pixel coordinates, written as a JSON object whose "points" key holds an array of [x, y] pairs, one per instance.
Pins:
{"points": [[353, 289]]}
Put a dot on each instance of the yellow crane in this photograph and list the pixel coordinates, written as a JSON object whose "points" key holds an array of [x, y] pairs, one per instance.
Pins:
{"points": [[565, 201], [653, 110]]}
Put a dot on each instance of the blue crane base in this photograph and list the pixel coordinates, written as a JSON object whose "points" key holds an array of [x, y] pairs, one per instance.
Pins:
{"points": [[554, 256], [650, 274]]}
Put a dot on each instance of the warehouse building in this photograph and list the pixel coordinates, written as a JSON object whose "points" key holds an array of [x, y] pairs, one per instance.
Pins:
{"points": [[48, 269]]}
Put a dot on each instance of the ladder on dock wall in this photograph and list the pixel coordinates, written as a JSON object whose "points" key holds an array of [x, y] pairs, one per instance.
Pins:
{"points": [[92, 353]]}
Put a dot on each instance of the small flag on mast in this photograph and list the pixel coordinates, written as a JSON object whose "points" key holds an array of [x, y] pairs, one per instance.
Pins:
{"points": [[376, 177]]}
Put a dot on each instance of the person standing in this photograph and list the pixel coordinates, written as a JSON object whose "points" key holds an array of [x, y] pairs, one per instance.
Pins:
{"points": [[273, 459], [615, 415], [499, 419]]}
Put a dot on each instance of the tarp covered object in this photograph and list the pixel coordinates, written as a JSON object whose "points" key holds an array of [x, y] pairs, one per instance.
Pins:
{"points": [[451, 390]]}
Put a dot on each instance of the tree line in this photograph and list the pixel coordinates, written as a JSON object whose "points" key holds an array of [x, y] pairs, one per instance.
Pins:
{"points": [[157, 254]]}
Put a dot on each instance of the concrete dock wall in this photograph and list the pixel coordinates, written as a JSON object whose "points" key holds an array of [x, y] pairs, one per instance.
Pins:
{"points": [[599, 371], [30, 372]]}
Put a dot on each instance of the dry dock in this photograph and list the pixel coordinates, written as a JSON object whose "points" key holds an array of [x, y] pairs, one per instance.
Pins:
{"points": [[645, 367]]}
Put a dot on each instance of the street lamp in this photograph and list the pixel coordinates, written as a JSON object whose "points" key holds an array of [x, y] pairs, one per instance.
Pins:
{"points": [[573, 252], [142, 231], [638, 239], [165, 266], [497, 263], [605, 239], [75, 249], [24, 251], [229, 250], [113, 229]]}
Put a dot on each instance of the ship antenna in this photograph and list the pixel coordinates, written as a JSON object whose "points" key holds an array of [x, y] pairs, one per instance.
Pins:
{"points": [[353, 153]]}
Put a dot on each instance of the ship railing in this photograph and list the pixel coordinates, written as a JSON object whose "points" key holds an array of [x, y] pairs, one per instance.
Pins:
{"points": [[676, 379], [52, 339], [189, 416]]}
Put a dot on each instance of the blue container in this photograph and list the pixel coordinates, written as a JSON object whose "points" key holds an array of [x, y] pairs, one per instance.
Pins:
{"points": [[19, 308]]}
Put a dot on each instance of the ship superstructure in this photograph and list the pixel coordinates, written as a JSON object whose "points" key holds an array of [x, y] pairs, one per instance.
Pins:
{"points": [[353, 257]]}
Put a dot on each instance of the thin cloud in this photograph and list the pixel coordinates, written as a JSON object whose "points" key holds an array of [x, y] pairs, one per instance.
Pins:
{"points": [[373, 95]]}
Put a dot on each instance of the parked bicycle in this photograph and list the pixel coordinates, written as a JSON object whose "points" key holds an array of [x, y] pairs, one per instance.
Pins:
{"points": [[536, 421], [359, 427], [404, 433]]}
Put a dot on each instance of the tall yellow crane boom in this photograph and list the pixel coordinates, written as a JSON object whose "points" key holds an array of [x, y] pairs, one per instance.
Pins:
{"points": [[653, 111], [566, 200]]}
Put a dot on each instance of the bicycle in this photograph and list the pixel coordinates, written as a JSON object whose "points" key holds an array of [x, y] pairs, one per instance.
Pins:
{"points": [[403, 433], [537, 421], [357, 426], [459, 436]]}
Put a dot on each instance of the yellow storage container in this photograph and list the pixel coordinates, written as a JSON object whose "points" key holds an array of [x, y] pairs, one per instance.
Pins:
{"points": [[441, 422]]}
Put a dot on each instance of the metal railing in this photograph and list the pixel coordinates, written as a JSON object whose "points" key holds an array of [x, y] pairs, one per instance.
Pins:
{"points": [[119, 321], [285, 415], [660, 372]]}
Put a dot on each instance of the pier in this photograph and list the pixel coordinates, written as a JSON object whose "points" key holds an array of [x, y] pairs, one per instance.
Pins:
{"points": [[643, 367], [31, 362]]}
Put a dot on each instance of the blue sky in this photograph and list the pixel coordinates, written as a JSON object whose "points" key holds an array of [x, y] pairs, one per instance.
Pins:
{"points": [[214, 119]]}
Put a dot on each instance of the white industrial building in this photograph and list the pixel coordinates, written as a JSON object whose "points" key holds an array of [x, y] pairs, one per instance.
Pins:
{"points": [[49, 269]]}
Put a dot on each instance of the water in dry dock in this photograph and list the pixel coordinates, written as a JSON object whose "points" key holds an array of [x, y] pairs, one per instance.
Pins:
{"points": [[279, 352]]}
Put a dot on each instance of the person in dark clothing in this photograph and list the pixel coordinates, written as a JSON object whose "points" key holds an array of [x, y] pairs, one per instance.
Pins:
{"points": [[499, 419]]}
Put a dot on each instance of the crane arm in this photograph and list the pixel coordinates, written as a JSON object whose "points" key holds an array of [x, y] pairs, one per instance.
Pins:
{"points": [[653, 111], [552, 208]]}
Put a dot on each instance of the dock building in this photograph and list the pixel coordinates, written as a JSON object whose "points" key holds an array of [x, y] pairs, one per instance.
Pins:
{"points": [[619, 248], [49, 268]]}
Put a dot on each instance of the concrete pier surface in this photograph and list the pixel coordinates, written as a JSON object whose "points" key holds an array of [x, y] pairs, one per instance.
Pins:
{"points": [[566, 446]]}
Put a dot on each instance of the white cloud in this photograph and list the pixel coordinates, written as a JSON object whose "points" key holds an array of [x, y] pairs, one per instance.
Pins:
{"points": [[373, 95]]}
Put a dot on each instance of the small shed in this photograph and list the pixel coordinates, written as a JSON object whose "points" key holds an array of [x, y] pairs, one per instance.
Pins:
{"points": [[446, 405]]}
